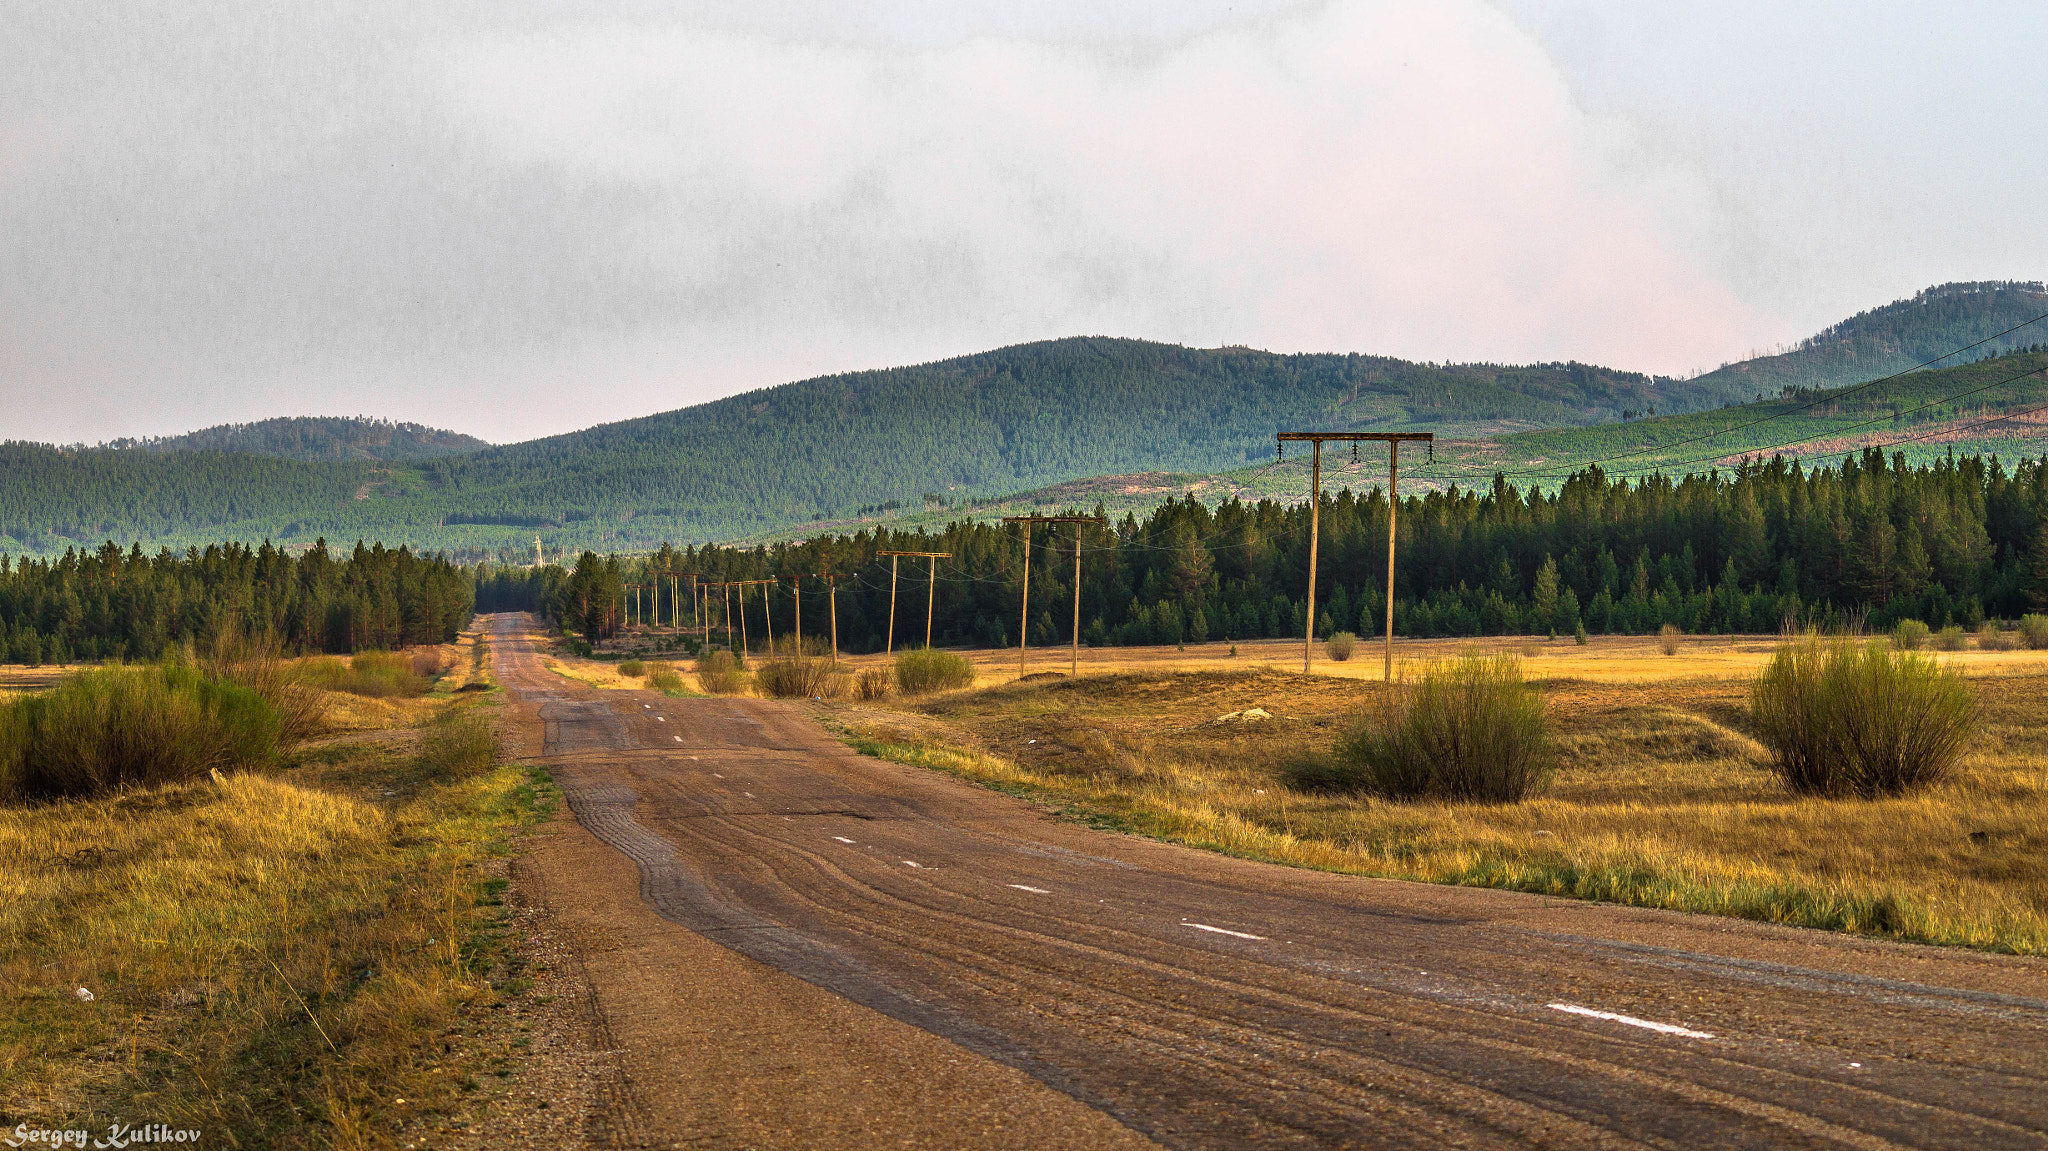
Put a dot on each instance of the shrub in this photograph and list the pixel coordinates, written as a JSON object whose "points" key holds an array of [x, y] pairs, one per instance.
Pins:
{"points": [[664, 678], [720, 673], [1579, 635], [1909, 635], [258, 663], [874, 683], [428, 663], [632, 667], [460, 743], [1667, 639], [1341, 645], [371, 674], [802, 676], [2034, 631], [132, 727], [927, 670], [1949, 638], [1472, 729], [1989, 638], [1843, 718]]}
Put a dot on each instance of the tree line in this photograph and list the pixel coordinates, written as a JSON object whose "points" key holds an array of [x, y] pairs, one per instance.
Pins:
{"points": [[1870, 539], [111, 604]]}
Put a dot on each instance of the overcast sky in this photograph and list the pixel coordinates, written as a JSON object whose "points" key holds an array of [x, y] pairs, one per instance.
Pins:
{"points": [[517, 217]]}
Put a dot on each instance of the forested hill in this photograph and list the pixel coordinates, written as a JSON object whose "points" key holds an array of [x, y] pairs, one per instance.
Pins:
{"points": [[931, 436], [315, 438], [1881, 341]]}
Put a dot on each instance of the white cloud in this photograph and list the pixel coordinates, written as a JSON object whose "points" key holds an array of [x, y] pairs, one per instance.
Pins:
{"points": [[521, 220]]}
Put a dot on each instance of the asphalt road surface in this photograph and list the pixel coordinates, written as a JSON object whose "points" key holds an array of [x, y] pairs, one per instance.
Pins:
{"points": [[1202, 1001]]}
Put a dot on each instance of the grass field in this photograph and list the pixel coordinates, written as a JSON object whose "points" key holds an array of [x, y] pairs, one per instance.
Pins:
{"points": [[276, 960], [1662, 799]]}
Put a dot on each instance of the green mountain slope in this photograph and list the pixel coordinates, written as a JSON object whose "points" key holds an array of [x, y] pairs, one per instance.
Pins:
{"points": [[962, 431], [1879, 342], [316, 438]]}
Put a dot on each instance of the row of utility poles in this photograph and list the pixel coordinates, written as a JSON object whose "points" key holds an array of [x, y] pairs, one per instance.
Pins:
{"points": [[701, 589]]}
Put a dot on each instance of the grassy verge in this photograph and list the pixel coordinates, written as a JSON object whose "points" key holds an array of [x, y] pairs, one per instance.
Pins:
{"points": [[1661, 799], [273, 960]]}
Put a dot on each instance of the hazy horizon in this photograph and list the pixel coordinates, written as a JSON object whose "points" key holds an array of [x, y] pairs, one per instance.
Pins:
{"points": [[514, 220]]}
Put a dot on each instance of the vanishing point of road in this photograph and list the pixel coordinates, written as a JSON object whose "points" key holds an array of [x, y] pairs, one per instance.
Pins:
{"points": [[795, 945]]}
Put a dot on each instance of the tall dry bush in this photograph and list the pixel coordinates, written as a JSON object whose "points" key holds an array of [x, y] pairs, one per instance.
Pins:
{"points": [[120, 727], [874, 683], [257, 662], [2034, 631], [1991, 638], [1667, 639], [370, 674], [926, 670], [803, 676], [719, 673], [1472, 729], [1341, 645], [632, 667], [1910, 635], [664, 678], [1843, 718], [1949, 638]]}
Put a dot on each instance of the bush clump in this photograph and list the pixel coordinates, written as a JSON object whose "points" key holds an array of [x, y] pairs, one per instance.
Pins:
{"points": [[1473, 729], [874, 683], [664, 678], [1341, 645], [1990, 638], [927, 670], [2034, 631], [461, 744], [719, 673], [632, 667], [1910, 635], [1667, 639], [122, 727], [1843, 718], [1949, 638], [802, 677], [370, 674]]}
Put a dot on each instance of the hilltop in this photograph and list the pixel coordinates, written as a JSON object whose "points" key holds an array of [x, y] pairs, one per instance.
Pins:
{"points": [[314, 438]]}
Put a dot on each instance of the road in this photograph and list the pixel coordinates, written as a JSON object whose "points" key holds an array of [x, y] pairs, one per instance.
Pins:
{"points": [[1206, 1002]]}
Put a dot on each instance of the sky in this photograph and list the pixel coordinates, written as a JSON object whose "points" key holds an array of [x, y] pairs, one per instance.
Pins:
{"points": [[520, 217]]}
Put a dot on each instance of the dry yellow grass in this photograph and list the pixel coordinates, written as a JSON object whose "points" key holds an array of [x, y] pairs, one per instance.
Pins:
{"points": [[271, 959], [1662, 799]]}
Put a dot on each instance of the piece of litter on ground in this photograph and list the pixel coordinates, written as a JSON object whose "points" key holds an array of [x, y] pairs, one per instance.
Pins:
{"points": [[84, 996], [679, 739]]}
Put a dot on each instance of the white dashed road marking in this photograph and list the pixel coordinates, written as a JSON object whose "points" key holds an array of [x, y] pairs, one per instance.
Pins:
{"points": [[1221, 930], [1632, 1021], [842, 839], [1032, 890], [912, 863]]}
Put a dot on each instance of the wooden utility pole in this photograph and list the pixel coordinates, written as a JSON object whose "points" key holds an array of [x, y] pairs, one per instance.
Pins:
{"points": [[931, 596], [832, 582], [1315, 505], [1024, 628]]}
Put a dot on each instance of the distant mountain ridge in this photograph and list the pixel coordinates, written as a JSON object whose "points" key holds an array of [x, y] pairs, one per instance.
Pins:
{"points": [[314, 438], [1888, 339], [959, 431]]}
